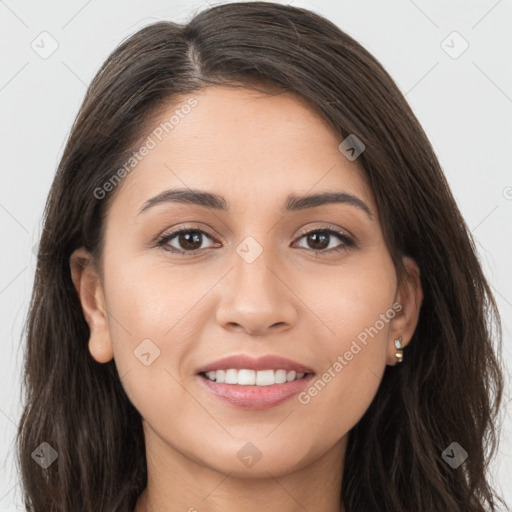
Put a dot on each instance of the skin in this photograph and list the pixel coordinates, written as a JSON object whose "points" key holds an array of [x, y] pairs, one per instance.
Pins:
{"points": [[254, 150]]}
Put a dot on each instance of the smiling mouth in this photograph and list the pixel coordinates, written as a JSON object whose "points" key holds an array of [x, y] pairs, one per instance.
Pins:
{"points": [[266, 393], [257, 378]]}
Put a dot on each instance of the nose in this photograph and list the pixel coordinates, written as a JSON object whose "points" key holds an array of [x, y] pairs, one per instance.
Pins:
{"points": [[257, 298]]}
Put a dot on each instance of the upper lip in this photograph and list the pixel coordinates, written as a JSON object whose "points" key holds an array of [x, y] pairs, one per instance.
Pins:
{"points": [[268, 362]]}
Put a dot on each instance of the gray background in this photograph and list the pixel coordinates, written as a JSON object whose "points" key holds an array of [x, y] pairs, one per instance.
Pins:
{"points": [[464, 103]]}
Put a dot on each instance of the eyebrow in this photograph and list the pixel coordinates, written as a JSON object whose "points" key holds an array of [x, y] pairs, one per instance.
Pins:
{"points": [[217, 202]]}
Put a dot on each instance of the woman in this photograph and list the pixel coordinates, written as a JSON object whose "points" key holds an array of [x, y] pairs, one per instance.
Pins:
{"points": [[255, 290]]}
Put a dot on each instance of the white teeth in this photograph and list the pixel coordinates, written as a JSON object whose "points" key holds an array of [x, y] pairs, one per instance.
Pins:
{"points": [[265, 378], [231, 377], [251, 377], [280, 377], [246, 377]]}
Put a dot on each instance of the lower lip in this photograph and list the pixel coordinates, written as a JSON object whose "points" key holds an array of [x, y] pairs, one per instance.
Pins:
{"points": [[256, 397]]}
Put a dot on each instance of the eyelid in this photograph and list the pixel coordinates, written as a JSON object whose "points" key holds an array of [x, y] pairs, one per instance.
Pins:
{"points": [[173, 232], [328, 227]]}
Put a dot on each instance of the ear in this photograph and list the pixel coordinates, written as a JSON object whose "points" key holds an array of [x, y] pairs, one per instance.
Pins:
{"points": [[90, 292], [410, 297]]}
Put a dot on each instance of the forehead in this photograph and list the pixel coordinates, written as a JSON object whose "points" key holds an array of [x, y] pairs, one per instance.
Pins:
{"points": [[243, 145]]}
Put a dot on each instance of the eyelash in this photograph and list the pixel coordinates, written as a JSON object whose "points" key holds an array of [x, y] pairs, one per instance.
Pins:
{"points": [[347, 241]]}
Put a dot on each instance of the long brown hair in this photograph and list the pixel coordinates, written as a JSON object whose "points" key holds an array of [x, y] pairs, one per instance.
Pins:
{"points": [[449, 386]]}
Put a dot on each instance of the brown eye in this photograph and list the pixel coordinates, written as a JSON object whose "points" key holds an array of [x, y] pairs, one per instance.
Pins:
{"points": [[318, 241], [323, 240], [187, 240], [190, 240]]}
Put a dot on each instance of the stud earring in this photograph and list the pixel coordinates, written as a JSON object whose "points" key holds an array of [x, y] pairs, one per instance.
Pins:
{"points": [[399, 353]]}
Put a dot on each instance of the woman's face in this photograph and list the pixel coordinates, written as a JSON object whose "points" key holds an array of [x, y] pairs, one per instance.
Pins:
{"points": [[245, 279]]}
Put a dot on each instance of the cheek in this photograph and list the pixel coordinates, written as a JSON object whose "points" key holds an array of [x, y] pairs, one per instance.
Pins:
{"points": [[357, 308], [150, 323], [353, 302], [150, 300]]}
